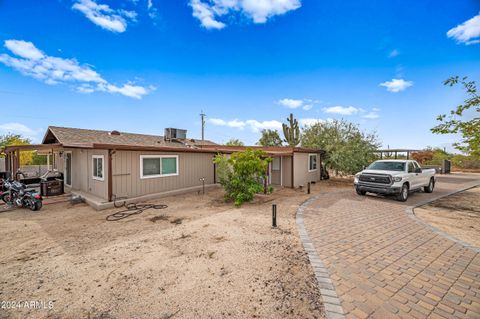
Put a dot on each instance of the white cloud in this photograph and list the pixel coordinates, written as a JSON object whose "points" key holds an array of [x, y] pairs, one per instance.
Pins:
{"points": [[254, 125], [54, 70], [371, 115], [309, 121], [393, 53], [18, 128], [24, 49], [306, 104], [397, 85], [468, 32], [291, 103], [375, 109], [206, 14], [342, 110], [104, 16], [258, 126], [259, 11]]}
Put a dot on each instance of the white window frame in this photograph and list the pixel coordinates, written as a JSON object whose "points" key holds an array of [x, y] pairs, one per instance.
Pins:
{"points": [[160, 159], [94, 168], [65, 167], [316, 162]]}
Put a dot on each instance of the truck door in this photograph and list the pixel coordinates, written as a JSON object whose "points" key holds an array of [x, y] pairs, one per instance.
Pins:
{"points": [[412, 176], [422, 179]]}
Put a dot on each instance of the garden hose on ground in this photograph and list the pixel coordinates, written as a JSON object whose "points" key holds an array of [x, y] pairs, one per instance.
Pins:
{"points": [[130, 209]]}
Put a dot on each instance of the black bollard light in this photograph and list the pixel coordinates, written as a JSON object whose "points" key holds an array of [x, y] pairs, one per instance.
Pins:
{"points": [[274, 215], [308, 188]]}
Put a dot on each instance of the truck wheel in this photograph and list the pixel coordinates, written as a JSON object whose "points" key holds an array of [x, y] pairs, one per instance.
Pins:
{"points": [[359, 192], [403, 196], [429, 188]]}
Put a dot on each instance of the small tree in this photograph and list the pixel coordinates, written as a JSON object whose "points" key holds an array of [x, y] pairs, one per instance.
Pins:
{"points": [[242, 174], [348, 149], [234, 142], [423, 156], [17, 139], [291, 131], [469, 129], [270, 138]]}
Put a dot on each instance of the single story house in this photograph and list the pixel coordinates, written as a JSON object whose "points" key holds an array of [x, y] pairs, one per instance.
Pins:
{"points": [[103, 165]]}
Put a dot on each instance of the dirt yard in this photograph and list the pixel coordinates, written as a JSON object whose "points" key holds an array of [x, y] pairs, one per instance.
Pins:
{"points": [[198, 258], [457, 215]]}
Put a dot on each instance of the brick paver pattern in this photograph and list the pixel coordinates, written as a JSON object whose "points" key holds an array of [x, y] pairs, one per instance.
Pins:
{"points": [[383, 264]]}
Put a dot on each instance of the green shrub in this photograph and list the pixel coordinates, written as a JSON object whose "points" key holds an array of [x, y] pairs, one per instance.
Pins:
{"points": [[242, 174]]}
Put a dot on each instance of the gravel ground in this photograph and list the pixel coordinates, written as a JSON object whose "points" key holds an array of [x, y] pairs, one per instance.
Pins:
{"points": [[457, 215], [198, 258]]}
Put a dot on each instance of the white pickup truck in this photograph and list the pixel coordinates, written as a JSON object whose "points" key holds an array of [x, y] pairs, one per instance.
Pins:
{"points": [[396, 177]]}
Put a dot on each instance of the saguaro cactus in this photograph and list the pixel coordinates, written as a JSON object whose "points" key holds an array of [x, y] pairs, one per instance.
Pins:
{"points": [[292, 131]]}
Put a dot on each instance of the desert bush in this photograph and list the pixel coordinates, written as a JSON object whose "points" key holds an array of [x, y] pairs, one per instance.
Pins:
{"points": [[348, 148], [242, 174]]}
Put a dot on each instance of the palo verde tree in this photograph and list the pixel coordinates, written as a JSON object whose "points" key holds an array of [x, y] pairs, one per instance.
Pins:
{"points": [[17, 139], [291, 131], [270, 138], [456, 122], [234, 142], [348, 148], [242, 174]]}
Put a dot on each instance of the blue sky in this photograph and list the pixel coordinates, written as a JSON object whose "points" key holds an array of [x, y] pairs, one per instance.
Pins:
{"points": [[141, 66]]}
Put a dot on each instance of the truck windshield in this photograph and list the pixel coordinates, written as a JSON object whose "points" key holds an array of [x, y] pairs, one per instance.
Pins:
{"points": [[387, 166]]}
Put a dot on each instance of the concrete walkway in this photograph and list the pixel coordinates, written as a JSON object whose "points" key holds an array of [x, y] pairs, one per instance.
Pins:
{"points": [[374, 260]]}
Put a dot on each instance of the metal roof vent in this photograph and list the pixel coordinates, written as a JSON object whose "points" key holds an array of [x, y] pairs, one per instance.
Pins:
{"points": [[114, 132]]}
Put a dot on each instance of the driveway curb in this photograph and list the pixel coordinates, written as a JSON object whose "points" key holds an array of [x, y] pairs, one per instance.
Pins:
{"points": [[410, 213], [331, 302]]}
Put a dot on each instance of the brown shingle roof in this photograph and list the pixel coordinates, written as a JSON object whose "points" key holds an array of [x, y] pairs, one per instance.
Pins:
{"points": [[71, 136]]}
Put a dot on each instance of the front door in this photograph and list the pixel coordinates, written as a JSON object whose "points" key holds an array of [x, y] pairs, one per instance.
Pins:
{"points": [[68, 169]]}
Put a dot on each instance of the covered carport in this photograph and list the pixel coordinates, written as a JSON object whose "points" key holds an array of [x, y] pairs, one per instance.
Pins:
{"points": [[395, 151], [12, 155]]}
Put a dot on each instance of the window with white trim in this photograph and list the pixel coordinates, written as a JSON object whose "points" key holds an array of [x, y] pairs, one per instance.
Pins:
{"points": [[312, 162], [152, 166], [98, 167]]}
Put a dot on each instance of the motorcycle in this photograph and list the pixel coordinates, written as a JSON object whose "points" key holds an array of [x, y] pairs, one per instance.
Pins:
{"points": [[16, 194]]}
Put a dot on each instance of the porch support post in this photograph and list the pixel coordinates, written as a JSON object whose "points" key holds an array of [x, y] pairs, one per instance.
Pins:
{"points": [[109, 176], [17, 162], [293, 169], [7, 162]]}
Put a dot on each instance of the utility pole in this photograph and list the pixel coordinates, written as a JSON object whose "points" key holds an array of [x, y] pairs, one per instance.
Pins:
{"points": [[202, 115]]}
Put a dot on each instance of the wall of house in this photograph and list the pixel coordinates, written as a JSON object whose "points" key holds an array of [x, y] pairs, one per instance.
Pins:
{"points": [[127, 181], [287, 171], [82, 171], [2, 165], [301, 173]]}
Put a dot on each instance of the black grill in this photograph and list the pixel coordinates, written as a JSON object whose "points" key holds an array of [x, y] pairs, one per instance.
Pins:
{"points": [[377, 179]]}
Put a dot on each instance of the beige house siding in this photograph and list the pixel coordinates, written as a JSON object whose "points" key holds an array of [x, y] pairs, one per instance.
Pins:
{"points": [[301, 173], [82, 172], [127, 181]]}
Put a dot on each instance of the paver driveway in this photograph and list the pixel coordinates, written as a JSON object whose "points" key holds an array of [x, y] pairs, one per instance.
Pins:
{"points": [[384, 264]]}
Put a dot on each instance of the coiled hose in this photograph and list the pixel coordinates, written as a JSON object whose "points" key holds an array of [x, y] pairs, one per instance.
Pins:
{"points": [[130, 209]]}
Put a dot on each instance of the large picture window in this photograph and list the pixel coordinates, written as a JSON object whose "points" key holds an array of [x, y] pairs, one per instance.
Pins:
{"points": [[152, 166], [97, 167], [312, 162]]}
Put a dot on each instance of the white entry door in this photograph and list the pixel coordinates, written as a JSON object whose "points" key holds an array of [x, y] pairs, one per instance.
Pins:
{"points": [[67, 169]]}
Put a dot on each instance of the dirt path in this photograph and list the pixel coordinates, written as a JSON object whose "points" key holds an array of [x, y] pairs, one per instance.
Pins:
{"points": [[198, 258], [457, 215]]}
